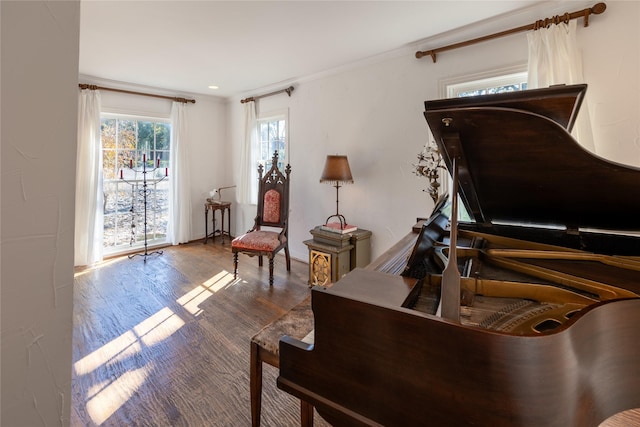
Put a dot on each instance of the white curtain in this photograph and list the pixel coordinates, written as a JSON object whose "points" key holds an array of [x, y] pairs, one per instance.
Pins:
{"points": [[179, 226], [247, 193], [89, 196], [554, 58]]}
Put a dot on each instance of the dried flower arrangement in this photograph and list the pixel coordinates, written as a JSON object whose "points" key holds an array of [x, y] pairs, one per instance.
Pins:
{"points": [[429, 163]]}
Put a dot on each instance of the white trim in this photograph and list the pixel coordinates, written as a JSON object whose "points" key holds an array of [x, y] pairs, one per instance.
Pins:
{"points": [[274, 114], [137, 117]]}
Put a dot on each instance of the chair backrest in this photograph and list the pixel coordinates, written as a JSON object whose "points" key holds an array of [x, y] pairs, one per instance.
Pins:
{"points": [[273, 196]]}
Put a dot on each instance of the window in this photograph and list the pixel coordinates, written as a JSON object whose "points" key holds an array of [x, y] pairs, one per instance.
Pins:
{"points": [[272, 133], [272, 136], [485, 86], [126, 142]]}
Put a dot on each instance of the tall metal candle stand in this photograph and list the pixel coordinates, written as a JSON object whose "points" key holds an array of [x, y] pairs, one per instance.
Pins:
{"points": [[145, 192]]}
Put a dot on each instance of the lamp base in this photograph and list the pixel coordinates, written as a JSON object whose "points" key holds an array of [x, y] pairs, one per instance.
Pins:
{"points": [[343, 222]]}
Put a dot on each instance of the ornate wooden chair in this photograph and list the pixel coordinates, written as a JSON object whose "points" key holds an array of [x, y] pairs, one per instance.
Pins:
{"points": [[273, 211]]}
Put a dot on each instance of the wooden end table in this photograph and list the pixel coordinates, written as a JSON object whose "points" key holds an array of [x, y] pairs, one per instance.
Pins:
{"points": [[217, 206]]}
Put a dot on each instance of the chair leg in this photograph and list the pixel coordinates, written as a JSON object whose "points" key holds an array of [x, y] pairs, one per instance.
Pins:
{"points": [[287, 257], [235, 265], [270, 271], [255, 381], [306, 414], [260, 260]]}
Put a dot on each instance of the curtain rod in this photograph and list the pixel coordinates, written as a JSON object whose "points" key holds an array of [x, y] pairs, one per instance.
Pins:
{"points": [[176, 99], [253, 98], [597, 10]]}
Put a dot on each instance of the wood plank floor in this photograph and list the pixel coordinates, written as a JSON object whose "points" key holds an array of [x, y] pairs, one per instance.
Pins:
{"points": [[166, 342]]}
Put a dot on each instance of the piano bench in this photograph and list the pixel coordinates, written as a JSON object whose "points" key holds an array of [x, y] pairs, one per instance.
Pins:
{"points": [[296, 323]]}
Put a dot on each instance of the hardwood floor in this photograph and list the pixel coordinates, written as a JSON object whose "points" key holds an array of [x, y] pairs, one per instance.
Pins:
{"points": [[166, 342]]}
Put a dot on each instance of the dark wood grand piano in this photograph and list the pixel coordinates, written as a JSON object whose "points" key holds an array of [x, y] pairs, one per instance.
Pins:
{"points": [[526, 315]]}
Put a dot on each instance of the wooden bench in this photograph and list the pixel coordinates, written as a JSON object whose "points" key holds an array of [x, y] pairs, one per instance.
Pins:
{"points": [[296, 323]]}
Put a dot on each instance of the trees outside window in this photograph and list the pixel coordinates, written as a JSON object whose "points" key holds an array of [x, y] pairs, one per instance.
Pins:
{"points": [[484, 86], [127, 142]]}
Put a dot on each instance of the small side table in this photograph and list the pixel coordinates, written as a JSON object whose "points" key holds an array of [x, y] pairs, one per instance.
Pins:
{"points": [[217, 206], [332, 255]]}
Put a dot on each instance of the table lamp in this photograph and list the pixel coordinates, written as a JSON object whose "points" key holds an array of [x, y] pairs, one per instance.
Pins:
{"points": [[337, 171]]}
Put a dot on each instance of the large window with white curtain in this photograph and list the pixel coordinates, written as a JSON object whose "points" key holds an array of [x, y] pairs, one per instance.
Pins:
{"points": [[132, 146]]}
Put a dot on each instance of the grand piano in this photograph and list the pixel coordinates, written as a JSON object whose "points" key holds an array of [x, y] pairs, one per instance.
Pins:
{"points": [[525, 314]]}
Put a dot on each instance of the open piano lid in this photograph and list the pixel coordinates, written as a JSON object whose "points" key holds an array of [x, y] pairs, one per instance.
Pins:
{"points": [[518, 163]]}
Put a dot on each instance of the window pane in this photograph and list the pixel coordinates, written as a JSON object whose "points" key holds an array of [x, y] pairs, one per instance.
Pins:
{"points": [[164, 159], [163, 135], [126, 134], [126, 159], [496, 89], [162, 205], [108, 130], [109, 201], [271, 136], [109, 164], [124, 231], [145, 137]]}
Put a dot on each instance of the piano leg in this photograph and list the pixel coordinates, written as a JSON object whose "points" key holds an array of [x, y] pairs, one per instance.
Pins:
{"points": [[306, 414]]}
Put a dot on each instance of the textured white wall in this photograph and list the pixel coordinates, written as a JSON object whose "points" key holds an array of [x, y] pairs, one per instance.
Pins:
{"points": [[373, 113], [39, 133], [611, 49]]}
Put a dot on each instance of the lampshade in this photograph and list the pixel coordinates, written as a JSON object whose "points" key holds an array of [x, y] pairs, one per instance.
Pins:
{"points": [[336, 169]]}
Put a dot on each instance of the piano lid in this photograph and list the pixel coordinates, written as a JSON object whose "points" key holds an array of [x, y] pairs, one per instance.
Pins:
{"points": [[518, 163]]}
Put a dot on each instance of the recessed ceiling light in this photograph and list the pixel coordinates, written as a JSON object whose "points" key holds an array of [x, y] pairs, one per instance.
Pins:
{"points": [[213, 87]]}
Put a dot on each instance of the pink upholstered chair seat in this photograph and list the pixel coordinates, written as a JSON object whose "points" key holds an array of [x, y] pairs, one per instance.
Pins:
{"points": [[258, 240]]}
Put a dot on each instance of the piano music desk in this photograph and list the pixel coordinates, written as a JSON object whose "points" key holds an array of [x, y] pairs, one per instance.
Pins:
{"points": [[296, 323]]}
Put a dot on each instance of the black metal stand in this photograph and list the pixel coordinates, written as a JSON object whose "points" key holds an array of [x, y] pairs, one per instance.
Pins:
{"points": [[343, 221], [145, 192]]}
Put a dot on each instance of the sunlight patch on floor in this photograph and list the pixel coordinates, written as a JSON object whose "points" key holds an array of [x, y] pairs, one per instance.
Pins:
{"points": [[150, 331], [158, 327], [81, 271], [191, 300], [110, 398], [126, 345]]}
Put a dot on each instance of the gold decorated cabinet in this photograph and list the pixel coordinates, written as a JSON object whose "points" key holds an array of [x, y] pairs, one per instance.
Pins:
{"points": [[332, 255]]}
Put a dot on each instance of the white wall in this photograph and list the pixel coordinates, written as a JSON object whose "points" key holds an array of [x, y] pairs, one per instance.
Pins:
{"points": [[39, 130], [207, 124], [611, 49], [373, 114]]}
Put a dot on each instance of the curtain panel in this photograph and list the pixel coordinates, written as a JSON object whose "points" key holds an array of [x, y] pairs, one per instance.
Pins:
{"points": [[89, 198], [179, 226], [554, 58], [247, 193]]}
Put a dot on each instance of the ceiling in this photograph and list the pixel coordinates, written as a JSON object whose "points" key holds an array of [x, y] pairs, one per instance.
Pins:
{"points": [[244, 46]]}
